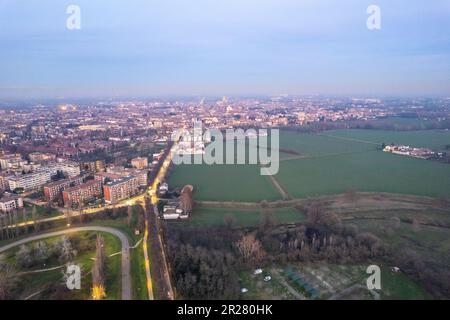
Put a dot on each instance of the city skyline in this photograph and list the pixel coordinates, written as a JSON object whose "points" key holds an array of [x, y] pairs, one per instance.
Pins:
{"points": [[230, 48]]}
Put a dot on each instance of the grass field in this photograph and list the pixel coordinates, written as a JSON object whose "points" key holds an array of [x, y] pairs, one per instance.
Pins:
{"points": [[331, 162], [31, 284], [225, 182], [242, 217]]}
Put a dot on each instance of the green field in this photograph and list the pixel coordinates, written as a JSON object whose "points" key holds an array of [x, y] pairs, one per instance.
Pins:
{"points": [[225, 182], [331, 162], [36, 285], [242, 217]]}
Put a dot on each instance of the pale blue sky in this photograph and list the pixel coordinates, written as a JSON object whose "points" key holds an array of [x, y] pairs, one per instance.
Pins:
{"points": [[215, 47]]}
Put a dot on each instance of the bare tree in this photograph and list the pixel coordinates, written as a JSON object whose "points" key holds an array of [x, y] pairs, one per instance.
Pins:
{"points": [[129, 215], [10, 224], [99, 270], [268, 219], [68, 215], [41, 252], [66, 251], [81, 215], [15, 217], [8, 281], [23, 256], [25, 219], [229, 220], [34, 216], [2, 228], [250, 249], [115, 212]]}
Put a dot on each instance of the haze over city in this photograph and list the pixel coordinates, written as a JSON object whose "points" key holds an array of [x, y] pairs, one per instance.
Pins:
{"points": [[146, 48]]}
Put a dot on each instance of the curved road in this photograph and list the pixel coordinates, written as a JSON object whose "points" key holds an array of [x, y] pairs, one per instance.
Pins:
{"points": [[126, 278]]}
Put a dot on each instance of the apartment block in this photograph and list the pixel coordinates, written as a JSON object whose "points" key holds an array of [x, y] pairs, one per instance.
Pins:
{"points": [[10, 202], [121, 189], [78, 195], [54, 189]]}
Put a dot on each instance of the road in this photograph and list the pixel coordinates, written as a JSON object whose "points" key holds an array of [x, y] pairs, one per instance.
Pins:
{"points": [[126, 277]]}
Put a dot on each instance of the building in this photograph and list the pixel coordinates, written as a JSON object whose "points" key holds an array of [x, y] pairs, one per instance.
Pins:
{"points": [[121, 189], [10, 202], [11, 161], [78, 195], [29, 181], [142, 176], [94, 166], [43, 175], [72, 169], [40, 156], [182, 208], [3, 182], [139, 163], [54, 189], [106, 177], [122, 172]]}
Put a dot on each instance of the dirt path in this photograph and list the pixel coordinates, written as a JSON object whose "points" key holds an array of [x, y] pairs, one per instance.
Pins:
{"points": [[280, 189], [126, 277]]}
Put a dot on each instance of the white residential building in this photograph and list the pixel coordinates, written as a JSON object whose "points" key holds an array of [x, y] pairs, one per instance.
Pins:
{"points": [[10, 202]]}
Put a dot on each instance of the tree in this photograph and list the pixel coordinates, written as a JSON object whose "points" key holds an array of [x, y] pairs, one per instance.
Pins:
{"points": [[10, 224], [186, 199], [8, 281], [317, 218], [129, 215], [250, 249], [229, 221], [1, 228], [24, 218], [35, 218], [66, 251], [16, 222], [268, 219], [98, 270], [23, 256], [81, 215], [68, 215], [141, 221], [41, 252], [115, 212]]}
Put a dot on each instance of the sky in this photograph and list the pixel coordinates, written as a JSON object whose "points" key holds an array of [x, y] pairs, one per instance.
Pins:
{"points": [[135, 48]]}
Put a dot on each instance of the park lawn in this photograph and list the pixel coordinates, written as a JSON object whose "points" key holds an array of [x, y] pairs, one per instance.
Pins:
{"points": [[242, 183], [30, 284], [372, 171], [242, 217]]}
